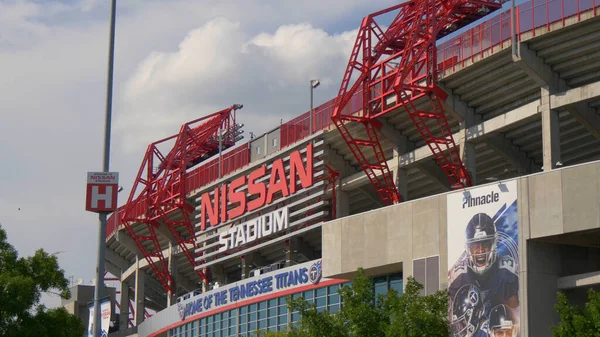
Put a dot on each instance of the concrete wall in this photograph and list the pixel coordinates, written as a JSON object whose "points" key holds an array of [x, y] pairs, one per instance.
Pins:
{"points": [[384, 239], [273, 141], [551, 205], [265, 143]]}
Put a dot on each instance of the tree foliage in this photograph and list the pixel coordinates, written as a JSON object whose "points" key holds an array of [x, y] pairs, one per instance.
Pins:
{"points": [[390, 315], [576, 321], [22, 282]]}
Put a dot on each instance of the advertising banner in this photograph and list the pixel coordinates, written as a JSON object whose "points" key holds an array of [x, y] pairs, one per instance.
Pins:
{"points": [[483, 256], [105, 318]]}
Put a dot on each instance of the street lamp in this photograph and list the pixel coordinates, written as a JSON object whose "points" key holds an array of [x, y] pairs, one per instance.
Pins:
{"points": [[313, 85], [99, 286]]}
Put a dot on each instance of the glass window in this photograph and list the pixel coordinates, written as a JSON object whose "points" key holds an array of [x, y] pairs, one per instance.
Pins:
{"points": [[252, 317], [282, 301], [232, 331], [296, 317], [272, 312], [258, 150], [243, 328], [283, 319], [262, 324], [274, 142], [262, 315], [243, 310], [308, 295], [272, 321], [262, 305], [252, 307], [334, 299], [296, 295], [334, 308], [321, 292], [282, 310], [252, 327], [321, 302]]}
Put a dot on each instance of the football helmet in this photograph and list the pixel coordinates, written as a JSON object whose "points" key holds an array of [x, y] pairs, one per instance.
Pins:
{"points": [[467, 311], [503, 322], [482, 243]]}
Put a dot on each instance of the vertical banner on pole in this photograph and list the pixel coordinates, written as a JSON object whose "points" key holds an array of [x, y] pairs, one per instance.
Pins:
{"points": [[90, 328], [105, 314], [483, 256]]}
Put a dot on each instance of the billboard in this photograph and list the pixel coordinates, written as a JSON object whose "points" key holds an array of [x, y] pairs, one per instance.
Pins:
{"points": [[483, 256], [105, 317]]}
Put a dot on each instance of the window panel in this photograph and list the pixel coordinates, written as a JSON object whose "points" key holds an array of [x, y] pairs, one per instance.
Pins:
{"points": [[308, 295], [282, 310]]}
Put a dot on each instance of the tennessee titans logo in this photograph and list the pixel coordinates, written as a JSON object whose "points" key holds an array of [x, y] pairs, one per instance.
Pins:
{"points": [[181, 310], [315, 272], [473, 297]]}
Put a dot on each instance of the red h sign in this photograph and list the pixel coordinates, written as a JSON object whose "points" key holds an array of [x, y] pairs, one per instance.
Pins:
{"points": [[102, 189]]}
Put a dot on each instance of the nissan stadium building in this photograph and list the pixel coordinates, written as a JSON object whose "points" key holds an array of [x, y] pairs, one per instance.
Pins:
{"points": [[463, 151]]}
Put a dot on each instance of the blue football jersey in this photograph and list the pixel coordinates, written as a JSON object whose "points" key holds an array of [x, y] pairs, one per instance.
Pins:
{"points": [[497, 285]]}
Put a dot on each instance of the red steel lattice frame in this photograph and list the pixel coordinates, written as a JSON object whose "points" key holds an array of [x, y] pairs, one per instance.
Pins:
{"points": [[401, 62], [161, 183]]}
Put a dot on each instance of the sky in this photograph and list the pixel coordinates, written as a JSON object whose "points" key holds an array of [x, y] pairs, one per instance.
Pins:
{"points": [[175, 61]]}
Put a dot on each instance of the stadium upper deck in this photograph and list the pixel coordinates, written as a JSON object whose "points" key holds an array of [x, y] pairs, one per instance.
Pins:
{"points": [[511, 115]]}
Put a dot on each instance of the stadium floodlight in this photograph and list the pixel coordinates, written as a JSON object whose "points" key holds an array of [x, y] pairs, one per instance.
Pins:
{"points": [[314, 83]]}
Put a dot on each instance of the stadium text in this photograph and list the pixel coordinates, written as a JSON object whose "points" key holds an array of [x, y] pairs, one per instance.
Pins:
{"points": [[258, 194], [481, 200], [254, 229], [244, 291]]}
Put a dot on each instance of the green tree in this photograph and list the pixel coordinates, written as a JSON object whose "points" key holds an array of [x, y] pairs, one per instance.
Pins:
{"points": [[390, 315], [22, 282], [576, 321]]}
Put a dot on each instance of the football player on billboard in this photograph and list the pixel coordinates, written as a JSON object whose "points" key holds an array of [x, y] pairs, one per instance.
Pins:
{"points": [[503, 322], [467, 313], [496, 276]]}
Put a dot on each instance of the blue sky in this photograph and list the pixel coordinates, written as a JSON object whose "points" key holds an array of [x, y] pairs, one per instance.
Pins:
{"points": [[176, 60]]}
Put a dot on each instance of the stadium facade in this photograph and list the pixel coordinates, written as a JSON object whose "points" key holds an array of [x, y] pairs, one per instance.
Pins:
{"points": [[296, 211]]}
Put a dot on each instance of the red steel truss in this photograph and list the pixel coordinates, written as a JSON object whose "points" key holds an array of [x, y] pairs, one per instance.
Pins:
{"points": [[399, 63], [160, 187]]}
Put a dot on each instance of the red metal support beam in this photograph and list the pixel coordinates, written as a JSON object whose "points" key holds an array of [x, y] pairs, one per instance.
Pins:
{"points": [[161, 189], [401, 63]]}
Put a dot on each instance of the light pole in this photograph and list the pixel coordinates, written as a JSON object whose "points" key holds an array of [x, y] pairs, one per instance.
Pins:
{"points": [[221, 132], [313, 85], [513, 37], [99, 287]]}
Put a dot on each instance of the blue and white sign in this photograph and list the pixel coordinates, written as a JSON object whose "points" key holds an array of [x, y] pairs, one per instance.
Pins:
{"points": [[105, 309], [305, 274]]}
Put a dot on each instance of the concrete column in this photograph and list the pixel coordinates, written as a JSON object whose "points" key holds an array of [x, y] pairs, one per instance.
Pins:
{"points": [[400, 175], [245, 262], [550, 131], [172, 298], [139, 295], [342, 201], [466, 149], [219, 275], [124, 312]]}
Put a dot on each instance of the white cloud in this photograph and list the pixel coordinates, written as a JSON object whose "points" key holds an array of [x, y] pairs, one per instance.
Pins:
{"points": [[217, 65]]}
